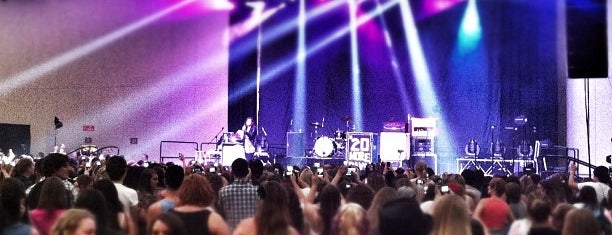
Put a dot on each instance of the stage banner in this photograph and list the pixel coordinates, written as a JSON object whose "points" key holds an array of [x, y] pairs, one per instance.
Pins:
{"points": [[360, 146]]}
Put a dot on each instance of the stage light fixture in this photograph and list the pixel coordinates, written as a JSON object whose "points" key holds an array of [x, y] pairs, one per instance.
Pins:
{"points": [[472, 148]]}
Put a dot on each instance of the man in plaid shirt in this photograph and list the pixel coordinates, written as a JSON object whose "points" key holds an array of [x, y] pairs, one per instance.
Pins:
{"points": [[238, 200]]}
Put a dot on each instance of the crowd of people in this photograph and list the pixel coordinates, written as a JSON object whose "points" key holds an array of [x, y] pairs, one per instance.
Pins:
{"points": [[57, 195]]}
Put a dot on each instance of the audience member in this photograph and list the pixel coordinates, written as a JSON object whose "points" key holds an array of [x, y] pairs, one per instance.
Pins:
{"points": [[383, 196], [51, 205], [539, 211], [174, 178], [195, 196], [54, 164], [513, 198], [361, 194], [238, 200], [93, 201], [558, 216], [147, 188], [119, 218], [116, 167], [600, 184], [295, 211], [272, 216], [24, 172], [83, 182], [351, 219], [493, 212], [167, 224], [403, 217], [13, 210], [450, 216], [320, 217], [73, 222], [580, 222]]}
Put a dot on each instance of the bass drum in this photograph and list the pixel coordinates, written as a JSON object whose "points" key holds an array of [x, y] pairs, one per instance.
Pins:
{"points": [[325, 147]]}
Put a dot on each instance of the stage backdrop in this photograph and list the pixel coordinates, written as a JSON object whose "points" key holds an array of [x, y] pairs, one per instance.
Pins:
{"points": [[510, 69], [114, 70]]}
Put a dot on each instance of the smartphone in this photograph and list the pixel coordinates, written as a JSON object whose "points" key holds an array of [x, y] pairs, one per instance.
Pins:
{"points": [[444, 189], [289, 170], [88, 164], [317, 165], [350, 170], [212, 170], [419, 181], [320, 171]]}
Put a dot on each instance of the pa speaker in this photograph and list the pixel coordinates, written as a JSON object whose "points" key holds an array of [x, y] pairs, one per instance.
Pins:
{"points": [[587, 50]]}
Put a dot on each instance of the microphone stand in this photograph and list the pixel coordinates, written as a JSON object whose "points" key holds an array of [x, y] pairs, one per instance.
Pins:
{"points": [[216, 138]]}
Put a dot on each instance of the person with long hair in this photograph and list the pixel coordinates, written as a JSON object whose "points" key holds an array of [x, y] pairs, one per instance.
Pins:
{"points": [[579, 222], [320, 216], [174, 178], [51, 205], [351, 219], [93, 201], [451, 216], [13, 209], [75, 221], [147, 186], [24, 171], [196, 196], [383, 196], [272, 216], [167, 224], [119, 219]]}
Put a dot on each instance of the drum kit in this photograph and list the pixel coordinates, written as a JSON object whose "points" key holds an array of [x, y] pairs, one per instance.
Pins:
{"points": [[330, 146]]}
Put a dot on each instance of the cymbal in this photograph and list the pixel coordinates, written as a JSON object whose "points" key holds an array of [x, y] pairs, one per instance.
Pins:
{"points": [[347, 119], [315, 124]]}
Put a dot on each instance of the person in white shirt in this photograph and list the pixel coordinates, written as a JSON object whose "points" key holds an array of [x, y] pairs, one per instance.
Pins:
{"points": [[116, 167], [600, 182]]}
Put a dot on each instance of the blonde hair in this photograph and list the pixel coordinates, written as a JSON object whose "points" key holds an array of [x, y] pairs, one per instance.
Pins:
{"points": [[351, 219], [451, 217], [306, 176], [69, 221]]}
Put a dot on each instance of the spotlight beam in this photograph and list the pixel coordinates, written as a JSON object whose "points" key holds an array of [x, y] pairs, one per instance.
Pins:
{"points": [[288, 62], [299, 103], [34, 73], [426, 92], [355, 71], [279, 30], [399, 80], [428, 99]]}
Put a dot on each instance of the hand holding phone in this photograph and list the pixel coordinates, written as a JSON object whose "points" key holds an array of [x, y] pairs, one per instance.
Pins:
{"points": [[444, 189]]}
